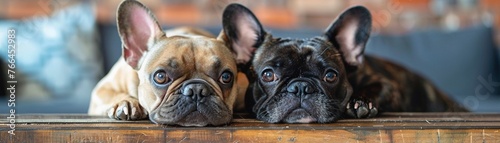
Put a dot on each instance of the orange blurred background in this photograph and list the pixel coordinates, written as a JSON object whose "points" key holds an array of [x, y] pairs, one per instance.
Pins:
{"points": [[390, 16]]}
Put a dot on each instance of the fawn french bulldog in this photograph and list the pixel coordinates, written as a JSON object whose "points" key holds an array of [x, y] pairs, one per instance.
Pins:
{"points": [[178, 77]]}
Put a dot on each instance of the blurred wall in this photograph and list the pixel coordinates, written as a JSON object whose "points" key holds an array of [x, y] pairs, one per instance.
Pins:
{"points": [[390, 16]]}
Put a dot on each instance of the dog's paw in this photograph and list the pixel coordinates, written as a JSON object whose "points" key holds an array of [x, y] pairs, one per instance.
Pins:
{"points": [[360, 108], [127, 110]]}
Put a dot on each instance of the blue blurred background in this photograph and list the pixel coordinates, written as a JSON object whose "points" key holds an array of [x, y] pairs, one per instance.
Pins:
{"points": [[65, 46]]}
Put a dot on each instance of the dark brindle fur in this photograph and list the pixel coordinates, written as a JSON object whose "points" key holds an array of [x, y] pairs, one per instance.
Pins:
{"points": [[320, 79]]}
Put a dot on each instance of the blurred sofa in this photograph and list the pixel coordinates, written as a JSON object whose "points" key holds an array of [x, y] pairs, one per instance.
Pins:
{"points": [[464, 63]]}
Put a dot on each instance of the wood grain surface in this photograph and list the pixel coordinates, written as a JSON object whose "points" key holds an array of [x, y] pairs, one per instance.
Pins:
{"points": [[389, 127]]}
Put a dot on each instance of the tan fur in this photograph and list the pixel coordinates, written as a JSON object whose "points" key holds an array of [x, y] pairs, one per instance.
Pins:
{"points": [[195, 54], [119, 84]]}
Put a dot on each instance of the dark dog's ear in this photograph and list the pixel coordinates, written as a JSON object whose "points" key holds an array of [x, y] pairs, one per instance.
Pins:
{"points": [[350, 32], [138, 29], [242, 31]]}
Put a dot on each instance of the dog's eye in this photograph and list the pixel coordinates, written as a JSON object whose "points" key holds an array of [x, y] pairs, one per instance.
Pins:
{"points": [[268, 75], [330, 76], [226, 77], [160, 77]]}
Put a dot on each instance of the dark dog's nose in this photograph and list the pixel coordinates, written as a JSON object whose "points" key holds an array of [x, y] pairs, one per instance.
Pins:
{"points": [[300, 87], [197, 91]]}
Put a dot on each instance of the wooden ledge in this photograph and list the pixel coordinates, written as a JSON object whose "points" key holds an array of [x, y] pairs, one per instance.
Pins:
{"points": [[389, 127]]}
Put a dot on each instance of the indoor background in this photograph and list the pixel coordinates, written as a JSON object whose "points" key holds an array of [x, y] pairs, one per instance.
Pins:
{"points": [[65, 46]]}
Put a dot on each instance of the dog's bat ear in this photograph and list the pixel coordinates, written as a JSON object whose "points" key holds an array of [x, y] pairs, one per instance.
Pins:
{"points": [[242, 31], [138, 29], [350, 32]]}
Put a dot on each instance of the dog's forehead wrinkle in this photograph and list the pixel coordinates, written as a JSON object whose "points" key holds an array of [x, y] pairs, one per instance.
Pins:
{"points": [[218, 60], [172, 62], [217, 63]]}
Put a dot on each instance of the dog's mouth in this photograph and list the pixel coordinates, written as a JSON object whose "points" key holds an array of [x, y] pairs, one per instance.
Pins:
{"points": [[186, 112], [290, 107], [192, 105], [299, 115]]}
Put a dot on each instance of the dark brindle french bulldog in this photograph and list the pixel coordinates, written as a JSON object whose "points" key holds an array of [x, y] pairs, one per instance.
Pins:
{"points": [[322, 78], [180, 77]]}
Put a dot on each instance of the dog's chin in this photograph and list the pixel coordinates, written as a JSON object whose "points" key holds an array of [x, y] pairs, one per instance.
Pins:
{"points": [[182, 111], [289, 108], [194, 119], [299, 115]]}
